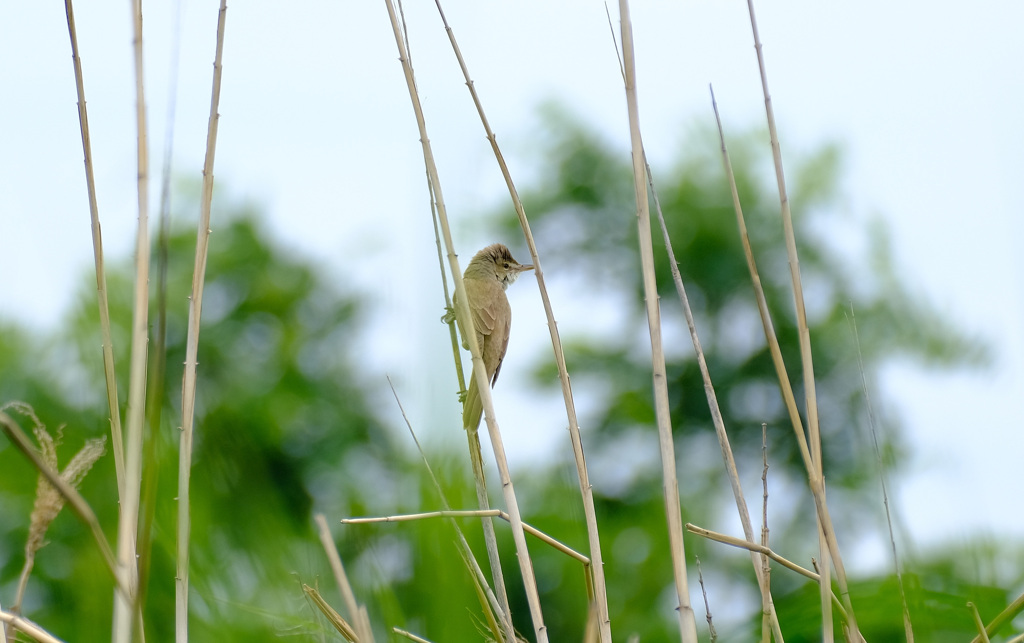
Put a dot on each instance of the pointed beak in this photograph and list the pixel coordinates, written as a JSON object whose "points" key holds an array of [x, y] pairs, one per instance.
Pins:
{"points": [[525, 268]]}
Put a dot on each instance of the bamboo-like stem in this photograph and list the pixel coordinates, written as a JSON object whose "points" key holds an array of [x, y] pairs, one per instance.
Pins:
{"points": [[465, 550], [117, 442], [71, 495], [480, 372], [908, 629], [687, 622], [761, 549], [586, 489], [828, 544], [127, 532], [22, 624], [361, 623], [195, 308], [1004, 617]]}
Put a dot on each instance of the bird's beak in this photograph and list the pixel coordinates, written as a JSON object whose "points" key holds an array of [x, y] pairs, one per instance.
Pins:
{"points": [[525, 268]]}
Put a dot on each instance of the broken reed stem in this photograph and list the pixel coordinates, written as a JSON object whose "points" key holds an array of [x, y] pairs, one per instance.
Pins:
{"points": [[716, 411], [74, 499], [195, 309], [827, 543], [687, 622], [586, 489], [908, 629], [467, 553], [117, 442], [745, 544], [409, 635], [356, 613], [480, 372]]}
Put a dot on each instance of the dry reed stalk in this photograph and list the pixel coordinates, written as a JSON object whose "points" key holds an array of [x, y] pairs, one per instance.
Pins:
{"points": [[28, 627], [356, 612], [127, 532], [489, 601], [687, 622], [463, 312], [586, 489], [117, 442], [716, 413], [828, 545], [760, 549], [195, 308], [476, 458], [707, 605]]}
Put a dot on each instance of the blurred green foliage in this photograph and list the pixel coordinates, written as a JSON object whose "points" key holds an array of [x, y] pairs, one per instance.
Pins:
{"points": [[285, 425]]}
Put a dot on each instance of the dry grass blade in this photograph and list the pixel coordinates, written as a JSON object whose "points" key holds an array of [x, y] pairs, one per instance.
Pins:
{"points": [[97, 248], [330, 613], [188, 387], [462, 312], [687, 622], [362, 624], [586, 490]]}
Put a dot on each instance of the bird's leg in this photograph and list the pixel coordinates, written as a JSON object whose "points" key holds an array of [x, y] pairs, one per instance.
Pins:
{"points": [[449, 315]]}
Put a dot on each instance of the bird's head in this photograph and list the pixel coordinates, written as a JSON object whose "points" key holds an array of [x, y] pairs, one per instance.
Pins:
{"points": [[497, 260]]}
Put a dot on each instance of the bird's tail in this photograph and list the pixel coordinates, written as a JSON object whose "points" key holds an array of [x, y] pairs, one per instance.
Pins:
{"points": [[472, 408]]}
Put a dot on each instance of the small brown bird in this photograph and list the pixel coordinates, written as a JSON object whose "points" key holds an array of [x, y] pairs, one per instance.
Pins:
{"points": [[486, 278]]}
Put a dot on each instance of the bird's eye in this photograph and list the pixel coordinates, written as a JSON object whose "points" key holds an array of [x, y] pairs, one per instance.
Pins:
{"points": [[506, 265]]}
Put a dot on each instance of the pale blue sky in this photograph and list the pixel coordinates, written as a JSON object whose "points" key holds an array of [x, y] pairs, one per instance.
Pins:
{"points": [[316, 124]]}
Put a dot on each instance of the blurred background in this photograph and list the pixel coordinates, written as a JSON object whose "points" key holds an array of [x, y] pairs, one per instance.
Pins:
{"points": [[902, 140]]}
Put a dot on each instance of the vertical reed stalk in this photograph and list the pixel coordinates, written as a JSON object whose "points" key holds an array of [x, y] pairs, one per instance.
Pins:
{"points": [[117, 441], [687, 622], [480, 372], [188, 387], [586, 489]]}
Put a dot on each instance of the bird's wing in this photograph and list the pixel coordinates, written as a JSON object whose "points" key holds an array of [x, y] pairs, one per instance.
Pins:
{"points": [[504, 346]]}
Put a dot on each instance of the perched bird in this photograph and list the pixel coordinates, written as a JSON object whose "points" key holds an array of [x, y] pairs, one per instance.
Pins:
{"points": [[488, 275]]}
